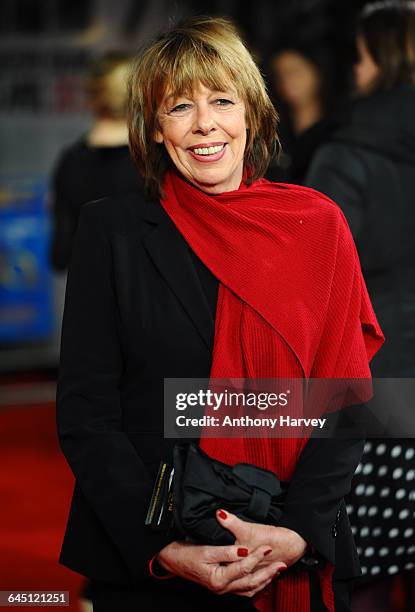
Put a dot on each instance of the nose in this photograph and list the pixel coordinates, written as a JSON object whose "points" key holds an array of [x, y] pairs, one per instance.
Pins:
{"points": [[204, 121]]}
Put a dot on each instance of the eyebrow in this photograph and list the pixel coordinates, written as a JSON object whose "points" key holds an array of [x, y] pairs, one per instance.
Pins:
{"points": [[171, 97]]}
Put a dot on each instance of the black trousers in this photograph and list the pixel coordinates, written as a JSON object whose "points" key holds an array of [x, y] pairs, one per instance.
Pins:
{"points": [[189, 597]]}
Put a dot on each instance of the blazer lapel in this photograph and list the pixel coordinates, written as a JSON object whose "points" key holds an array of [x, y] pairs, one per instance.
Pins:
{"points": [[170, 254]]}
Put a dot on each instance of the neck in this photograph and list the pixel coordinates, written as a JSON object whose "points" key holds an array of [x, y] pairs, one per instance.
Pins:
{"points": [[306, 115], [107, 132]]}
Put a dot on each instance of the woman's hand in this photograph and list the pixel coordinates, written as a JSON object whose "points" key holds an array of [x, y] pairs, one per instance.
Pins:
{"points": [[221, 569], [287, 545]]}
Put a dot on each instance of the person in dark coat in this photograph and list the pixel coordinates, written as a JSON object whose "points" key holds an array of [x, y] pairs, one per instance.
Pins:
{"points": [[368, 167], [99, 163]]}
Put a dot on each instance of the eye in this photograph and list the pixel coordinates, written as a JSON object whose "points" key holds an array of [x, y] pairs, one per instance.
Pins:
{"points": [[223, 102], [180, 108]]}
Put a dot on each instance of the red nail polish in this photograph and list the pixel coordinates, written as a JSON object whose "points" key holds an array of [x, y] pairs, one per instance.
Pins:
{"points": [[242, 552], [222, 514], [282, 569], [267, 552]]}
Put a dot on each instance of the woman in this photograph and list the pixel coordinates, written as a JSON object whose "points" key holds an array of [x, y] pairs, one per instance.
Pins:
{"points": [[98, 164], [203, 277], [301, 78], [368, 167]]}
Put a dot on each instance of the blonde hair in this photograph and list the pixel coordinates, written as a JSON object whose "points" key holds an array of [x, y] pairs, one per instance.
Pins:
{"points": [[107, 85], [203, 50]]}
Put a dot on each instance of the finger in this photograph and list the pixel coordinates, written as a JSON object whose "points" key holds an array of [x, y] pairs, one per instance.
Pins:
{"points": [[262, 589], [225, 554], [266, 562], [239, 528], [252, 591], [241, 568], [246, 566], [258, 577], [253, 582]]}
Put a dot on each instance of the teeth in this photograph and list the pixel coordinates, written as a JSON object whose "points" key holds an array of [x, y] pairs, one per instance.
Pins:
{"points": [[208, 150]]}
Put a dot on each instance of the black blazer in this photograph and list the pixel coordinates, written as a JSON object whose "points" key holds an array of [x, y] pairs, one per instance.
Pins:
{"points": [[136, 312]]}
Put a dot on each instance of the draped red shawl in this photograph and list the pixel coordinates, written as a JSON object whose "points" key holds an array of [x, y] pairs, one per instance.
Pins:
{"points": [[292, 302]]}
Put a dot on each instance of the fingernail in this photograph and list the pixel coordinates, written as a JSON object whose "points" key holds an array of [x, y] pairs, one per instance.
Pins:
{"points": [[282, 569], [267, 552], [242, 552], [222, 514]]}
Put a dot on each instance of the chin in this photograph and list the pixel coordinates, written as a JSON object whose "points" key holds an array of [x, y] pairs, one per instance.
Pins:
{"points": [[213, 178], [212, 188]]}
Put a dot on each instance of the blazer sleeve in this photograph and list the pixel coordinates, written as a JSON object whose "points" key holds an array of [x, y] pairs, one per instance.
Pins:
{"points": [[323, 473], [110, 473], [321, 479], [64, 218]]}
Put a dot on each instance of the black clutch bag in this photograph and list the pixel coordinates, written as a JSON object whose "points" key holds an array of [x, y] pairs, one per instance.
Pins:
{"points": [[187, 495], [202, 485]]}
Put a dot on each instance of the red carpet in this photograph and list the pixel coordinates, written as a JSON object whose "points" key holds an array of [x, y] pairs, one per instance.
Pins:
{"points": [[36, 486]]}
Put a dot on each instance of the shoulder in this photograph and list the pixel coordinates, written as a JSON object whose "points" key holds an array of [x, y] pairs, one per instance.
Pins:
{"points": [[325, 219], [73, 151], [340, 149], [70, 158], [122, 213], [300, 198]]}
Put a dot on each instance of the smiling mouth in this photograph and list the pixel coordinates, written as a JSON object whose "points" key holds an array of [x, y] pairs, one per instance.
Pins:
{"points": [[208, 150]]}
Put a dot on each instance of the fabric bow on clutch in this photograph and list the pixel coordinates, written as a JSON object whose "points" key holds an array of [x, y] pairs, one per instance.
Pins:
{"points": [[201, 485]]}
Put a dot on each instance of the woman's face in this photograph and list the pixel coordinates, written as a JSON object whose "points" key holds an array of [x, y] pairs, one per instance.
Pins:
{"points": [[365, 70], [297, 80], [205, 136]]}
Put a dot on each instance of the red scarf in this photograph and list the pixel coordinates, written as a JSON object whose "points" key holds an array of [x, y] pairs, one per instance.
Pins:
{"points": [[292, 303]]}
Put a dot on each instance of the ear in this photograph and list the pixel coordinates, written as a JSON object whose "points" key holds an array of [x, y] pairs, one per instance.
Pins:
{"points": [[158, 137]]}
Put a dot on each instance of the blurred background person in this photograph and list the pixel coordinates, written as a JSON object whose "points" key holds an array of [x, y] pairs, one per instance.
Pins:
{"points": [[303, 94], [98, 164], [368, 167]]}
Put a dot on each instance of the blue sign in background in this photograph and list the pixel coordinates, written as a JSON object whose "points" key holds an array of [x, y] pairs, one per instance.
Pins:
{"points": [[26, 299]]}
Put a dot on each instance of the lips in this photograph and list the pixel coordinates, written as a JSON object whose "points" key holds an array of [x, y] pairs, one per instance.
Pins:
{"points": [[212, 151], [207, 150]]}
